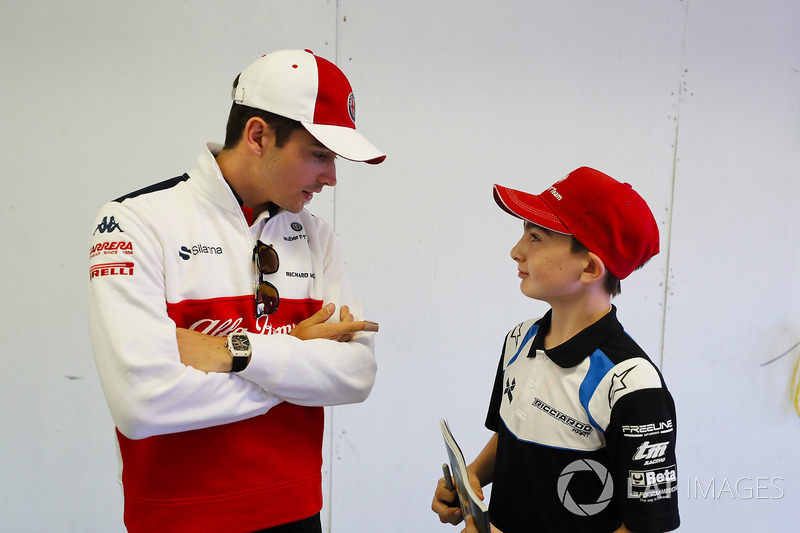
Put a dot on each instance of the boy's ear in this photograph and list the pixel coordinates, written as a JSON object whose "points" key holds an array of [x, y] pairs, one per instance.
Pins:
{"points": [[594, 270]]}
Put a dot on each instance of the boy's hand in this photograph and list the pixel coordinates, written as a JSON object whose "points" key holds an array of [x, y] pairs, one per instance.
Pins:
{"points": [[472, 529], [445, 501], [445, 504]]}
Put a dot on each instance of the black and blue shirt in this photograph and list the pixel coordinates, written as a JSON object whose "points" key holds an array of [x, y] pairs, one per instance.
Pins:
{"points": [[586, 434]]}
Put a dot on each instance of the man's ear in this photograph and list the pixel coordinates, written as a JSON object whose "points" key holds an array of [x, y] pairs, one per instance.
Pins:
{"points": [[594, 270], [257, 135]]}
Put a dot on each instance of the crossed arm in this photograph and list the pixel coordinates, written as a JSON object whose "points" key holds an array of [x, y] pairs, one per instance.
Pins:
{"points": [[209, 354]]}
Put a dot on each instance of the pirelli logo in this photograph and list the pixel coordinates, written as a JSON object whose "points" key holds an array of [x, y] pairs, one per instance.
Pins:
{"points": [[111, 269], [580, 428]]}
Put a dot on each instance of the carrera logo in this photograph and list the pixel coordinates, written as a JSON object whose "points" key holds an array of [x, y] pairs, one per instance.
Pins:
{"points": [[113, 247], [111, 269]]}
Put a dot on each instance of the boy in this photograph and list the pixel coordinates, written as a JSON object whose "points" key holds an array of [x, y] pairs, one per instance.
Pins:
{"points": [[584, 425]]}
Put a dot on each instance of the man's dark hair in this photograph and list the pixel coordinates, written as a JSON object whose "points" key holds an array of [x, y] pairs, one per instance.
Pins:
{"points": [[611, 283], [240, 114]]}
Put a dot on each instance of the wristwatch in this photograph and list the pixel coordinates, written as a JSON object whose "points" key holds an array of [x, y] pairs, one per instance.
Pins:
{"points": [[239, 345]]}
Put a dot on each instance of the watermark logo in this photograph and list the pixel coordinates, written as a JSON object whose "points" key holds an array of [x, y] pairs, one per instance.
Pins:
{"points": [[591, 508], [743, 488]]}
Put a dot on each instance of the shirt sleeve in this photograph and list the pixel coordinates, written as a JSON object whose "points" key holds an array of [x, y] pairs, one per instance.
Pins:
{"points": [[641, 442], [493, 415], [148, 390]]}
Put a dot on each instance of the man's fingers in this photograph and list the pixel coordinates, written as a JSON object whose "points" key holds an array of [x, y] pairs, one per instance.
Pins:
{"points": [[353, 327], [322, 315]]}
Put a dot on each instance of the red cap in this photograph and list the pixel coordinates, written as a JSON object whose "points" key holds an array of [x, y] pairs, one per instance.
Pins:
{"points": [[302, 86], [606, 216]]}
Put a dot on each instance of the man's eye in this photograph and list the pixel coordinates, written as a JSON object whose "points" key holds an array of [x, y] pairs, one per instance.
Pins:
{"points": [[535, 238], [323, 157]]}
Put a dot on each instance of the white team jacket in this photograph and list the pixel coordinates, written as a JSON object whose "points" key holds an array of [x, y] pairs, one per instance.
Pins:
{"points": [[181, 252]]}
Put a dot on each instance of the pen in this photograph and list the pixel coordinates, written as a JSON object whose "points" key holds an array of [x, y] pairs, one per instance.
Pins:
{"points": [[448, 479]]}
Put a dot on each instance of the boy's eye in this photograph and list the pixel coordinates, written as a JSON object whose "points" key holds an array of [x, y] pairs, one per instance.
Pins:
{"points": [[535, 238]]}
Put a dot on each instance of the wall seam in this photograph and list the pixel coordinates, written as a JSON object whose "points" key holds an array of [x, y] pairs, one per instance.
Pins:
{"points": [[668, 267]]}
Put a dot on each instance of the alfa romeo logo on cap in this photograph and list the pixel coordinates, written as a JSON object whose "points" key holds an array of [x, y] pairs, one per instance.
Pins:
{"points": [[351, 107]]}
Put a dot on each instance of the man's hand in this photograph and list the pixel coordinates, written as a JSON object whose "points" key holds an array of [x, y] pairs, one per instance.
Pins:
{"points": [[209, 354], [445, 501], [317, 327], [203, 352]]}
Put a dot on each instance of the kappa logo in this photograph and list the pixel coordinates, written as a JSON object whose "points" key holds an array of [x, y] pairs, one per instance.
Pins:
{"points": [[108, 225], [111, 269]]}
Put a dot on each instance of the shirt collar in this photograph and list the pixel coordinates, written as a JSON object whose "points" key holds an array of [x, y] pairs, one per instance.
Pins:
{"points": [[582, 345]]}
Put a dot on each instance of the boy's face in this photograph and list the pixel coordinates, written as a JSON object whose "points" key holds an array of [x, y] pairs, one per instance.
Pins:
{"points": [[548, 268]]}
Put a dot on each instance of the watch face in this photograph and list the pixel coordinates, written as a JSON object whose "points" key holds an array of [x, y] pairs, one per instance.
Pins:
{"points": [[240, 342]]}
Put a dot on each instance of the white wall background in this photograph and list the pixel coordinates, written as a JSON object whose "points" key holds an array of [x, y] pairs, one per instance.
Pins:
{"points": [[696, 102]]}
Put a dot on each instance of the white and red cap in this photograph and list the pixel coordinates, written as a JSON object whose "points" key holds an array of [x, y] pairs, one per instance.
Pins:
{"points": [[606, 216], [299, 85]]}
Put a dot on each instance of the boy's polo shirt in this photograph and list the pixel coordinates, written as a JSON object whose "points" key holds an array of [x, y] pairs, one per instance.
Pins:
{"points": [[586, 433]]}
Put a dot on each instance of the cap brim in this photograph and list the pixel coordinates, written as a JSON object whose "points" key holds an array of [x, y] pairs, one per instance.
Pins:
{"points": [[346, 143], [528, 207]]}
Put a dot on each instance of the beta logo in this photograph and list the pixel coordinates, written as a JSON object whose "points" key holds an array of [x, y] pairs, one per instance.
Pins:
{"points": [[652, 478]]}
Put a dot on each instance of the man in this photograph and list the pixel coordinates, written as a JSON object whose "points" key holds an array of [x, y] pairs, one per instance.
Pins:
{"points": [[221, 317]]}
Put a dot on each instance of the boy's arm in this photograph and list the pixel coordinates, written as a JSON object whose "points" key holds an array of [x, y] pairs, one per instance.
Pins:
{"points": [[483, 465]]}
